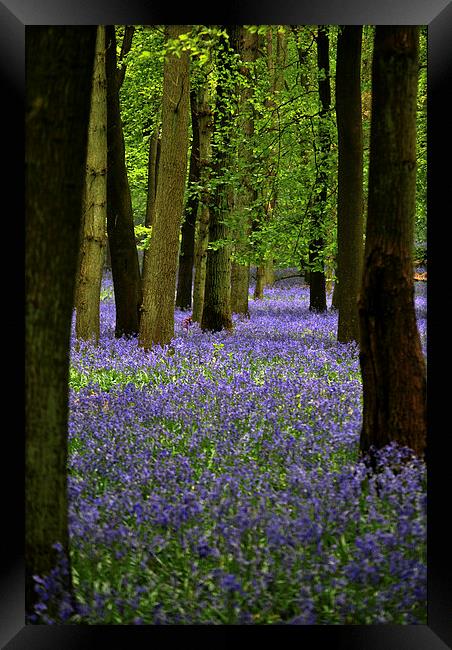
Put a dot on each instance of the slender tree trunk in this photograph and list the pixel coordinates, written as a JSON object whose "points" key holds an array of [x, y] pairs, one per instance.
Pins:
{"points": [[317, 287], [120, 225], [153, 166], [246, 45], [87, 324], [240, 285], [260, 282], [154, 155], [107, 256], [205, 118], [187, 247], [276, 65], [335, 296], [350, 181], [217, 313], [392, 363], [159, 284], [59, 65]]}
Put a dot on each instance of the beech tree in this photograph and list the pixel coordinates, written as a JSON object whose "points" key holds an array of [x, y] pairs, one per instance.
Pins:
{"points": [[350, 247], [159, 283], [392, 363], [92, 250], [59, 66]]}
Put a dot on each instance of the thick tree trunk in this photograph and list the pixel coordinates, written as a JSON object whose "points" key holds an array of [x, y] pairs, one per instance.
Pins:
{"points": [[87, 324], [159, 284], [205, 118], [187, 247], [350, 181], [317, 286], [120, 225], [392, 363], [216, 313], [59, 65]]}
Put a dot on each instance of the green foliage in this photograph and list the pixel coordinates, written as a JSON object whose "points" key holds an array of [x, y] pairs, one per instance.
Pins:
{"points": [[283, 149], [140, 98], [420, 226], [143, 235]]}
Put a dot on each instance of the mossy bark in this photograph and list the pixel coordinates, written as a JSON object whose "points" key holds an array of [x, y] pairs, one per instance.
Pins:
{"points": [[246, 45], [59, 65], [205, 119], [216, 314]]}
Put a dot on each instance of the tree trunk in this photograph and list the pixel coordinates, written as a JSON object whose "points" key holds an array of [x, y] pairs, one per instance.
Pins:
{"points": [[159, 284], [392, 363], [240, 286], [59, 65], [350, 181], [120, 226], [153, 166], [276, 66], [202, 227], [87, 324], [216, 313], [317, 287], [245, 45], [154, 156], [187, 247]]}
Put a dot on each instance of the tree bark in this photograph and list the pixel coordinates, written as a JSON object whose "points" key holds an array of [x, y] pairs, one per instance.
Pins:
{"points": [[153, 167], [205, 118], [120, 226], [317, 286], [245, 45], [187, 247], [87, 324], [350, 182], [59, 65], [392, 363], [159, 284], [154, 156], [216, 313]]}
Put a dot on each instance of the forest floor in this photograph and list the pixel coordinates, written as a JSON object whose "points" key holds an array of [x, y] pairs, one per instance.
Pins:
{"points": [[217, 480]]}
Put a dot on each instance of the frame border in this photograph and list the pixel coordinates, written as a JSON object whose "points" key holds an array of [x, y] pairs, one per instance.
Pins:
{"points": [[15, 15]]}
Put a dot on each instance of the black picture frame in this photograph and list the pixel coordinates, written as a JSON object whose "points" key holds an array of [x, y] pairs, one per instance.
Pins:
{"points": [[15, 15]]}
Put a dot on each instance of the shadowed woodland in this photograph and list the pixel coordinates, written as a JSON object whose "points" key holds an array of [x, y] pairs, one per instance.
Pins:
{"points": [[226, 273]]}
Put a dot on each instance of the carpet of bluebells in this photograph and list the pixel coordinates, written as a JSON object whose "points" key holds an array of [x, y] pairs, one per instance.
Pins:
{"points": [[217, 480]]}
